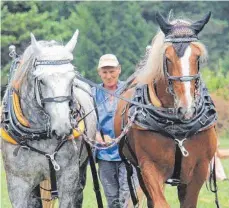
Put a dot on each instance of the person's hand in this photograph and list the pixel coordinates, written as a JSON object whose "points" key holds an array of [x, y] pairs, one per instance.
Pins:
{"points": [[100, 140]]}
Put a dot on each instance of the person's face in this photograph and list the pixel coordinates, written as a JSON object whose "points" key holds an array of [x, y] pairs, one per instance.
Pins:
{"points": [[109, 75]]}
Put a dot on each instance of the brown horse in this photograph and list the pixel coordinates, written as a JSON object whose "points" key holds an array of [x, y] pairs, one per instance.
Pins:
{"points": [[172, 139]]}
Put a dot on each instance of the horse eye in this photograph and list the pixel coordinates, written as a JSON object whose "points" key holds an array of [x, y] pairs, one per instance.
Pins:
{"points": [[42, 82], [168, 61]]}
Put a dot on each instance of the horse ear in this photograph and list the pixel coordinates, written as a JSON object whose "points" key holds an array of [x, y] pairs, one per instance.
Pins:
{"points": [[164, 25], [35, 45], [170, 16], [199, 25], [72, 43]]}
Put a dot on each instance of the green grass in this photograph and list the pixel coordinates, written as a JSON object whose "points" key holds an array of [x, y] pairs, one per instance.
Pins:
{"points": [[206, 198]]}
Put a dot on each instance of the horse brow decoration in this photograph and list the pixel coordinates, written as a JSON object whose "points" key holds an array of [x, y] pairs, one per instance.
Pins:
{"points": [[181, 28]]}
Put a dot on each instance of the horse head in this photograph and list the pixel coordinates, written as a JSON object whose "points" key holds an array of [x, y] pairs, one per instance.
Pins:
{"points": [[54, 75], [181, 59]]}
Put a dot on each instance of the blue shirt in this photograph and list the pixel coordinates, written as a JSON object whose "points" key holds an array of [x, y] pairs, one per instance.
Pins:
{"points": [[106, 111]]}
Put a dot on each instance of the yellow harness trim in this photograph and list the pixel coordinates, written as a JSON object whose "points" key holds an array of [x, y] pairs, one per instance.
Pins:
{"points": [[77, 132], [16, 102], [153, 98], [18, 111], [7, 137]]}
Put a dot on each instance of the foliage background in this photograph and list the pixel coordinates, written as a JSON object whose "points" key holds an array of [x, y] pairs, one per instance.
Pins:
{"points": [[125, 29], [122, 28]]}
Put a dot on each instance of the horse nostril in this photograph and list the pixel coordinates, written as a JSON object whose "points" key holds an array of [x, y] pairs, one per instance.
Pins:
{"points": [[194, 110], [53, 132], [181, 110]]}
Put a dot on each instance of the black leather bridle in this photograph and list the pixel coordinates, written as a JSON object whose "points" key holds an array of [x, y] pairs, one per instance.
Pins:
{"points": [[170, 78], [59, 99]]}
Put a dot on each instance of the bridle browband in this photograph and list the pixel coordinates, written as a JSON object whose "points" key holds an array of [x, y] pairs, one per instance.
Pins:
{"points": [[51, 62], [181, 40]]}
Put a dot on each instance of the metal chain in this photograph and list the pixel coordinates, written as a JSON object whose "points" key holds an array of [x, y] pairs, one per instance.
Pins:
{"points": [[115, 141]]}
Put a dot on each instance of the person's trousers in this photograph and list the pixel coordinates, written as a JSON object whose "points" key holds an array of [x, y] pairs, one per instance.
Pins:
{"points": [[113, 177]]}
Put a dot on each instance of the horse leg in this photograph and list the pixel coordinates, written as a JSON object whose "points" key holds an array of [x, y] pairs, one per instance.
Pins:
{"points": [[154, 183], [188, 194], [34, 199], [181, 188], [68, 186], [21, 193], [81, 183]]}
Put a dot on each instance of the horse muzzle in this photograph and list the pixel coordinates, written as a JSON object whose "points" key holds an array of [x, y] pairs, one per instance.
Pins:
{"points": [[61, 130], [186, 113]]}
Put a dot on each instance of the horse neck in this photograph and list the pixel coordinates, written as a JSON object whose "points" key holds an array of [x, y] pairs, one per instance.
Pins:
{"points": [[30, 108], [162, 93]]}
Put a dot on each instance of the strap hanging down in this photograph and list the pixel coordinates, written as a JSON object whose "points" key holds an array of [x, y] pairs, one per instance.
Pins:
{"points": [[139, 173], [129, 170], [212, 182], [94, 176]]}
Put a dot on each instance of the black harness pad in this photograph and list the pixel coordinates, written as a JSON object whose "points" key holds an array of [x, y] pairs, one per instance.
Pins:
{"points": [[168, 123]]}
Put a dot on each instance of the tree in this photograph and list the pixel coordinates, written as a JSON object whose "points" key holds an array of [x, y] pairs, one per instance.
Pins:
{"points": [[109, 27], [122, 28], [215, 34]]}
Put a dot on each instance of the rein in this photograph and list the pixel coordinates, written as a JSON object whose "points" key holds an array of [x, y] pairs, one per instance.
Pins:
{"points": [[151, 107]]}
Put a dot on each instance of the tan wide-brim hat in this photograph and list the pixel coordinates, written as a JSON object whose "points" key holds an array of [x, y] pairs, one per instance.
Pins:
{"points": [[108, 60]]}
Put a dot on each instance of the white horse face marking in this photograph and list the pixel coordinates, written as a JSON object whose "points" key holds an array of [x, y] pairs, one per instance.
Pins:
{"points": [[185, 70], [181, 66]]}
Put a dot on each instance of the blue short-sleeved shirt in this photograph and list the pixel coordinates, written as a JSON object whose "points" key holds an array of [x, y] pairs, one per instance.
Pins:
{"points": [[106, 111]]}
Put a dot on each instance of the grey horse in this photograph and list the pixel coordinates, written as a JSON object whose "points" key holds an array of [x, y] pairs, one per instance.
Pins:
{"points": [[47, 86]]}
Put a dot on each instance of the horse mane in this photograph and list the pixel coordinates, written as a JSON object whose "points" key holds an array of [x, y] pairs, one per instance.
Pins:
{"points": [[52, 50], [150, 68]]}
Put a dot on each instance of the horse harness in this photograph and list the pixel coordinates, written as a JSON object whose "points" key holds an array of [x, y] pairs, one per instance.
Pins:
{"points": [[166, 122], [16, 129]]}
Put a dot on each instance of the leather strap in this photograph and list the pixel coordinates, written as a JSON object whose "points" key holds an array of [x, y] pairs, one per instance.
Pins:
{"points": [[94, 176]]}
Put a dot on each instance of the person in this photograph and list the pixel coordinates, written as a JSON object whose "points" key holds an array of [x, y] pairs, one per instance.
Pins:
{"points": [[221, 154], [112, 171]]}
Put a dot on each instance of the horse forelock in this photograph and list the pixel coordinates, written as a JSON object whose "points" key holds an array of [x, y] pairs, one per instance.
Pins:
{"points": [[203, 50]]}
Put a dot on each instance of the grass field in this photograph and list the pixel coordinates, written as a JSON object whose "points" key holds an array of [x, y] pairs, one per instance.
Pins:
{"points": [[206, 198]]}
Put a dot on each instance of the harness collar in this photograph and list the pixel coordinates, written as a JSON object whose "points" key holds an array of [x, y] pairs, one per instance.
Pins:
{"points": [[169, 124]]}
